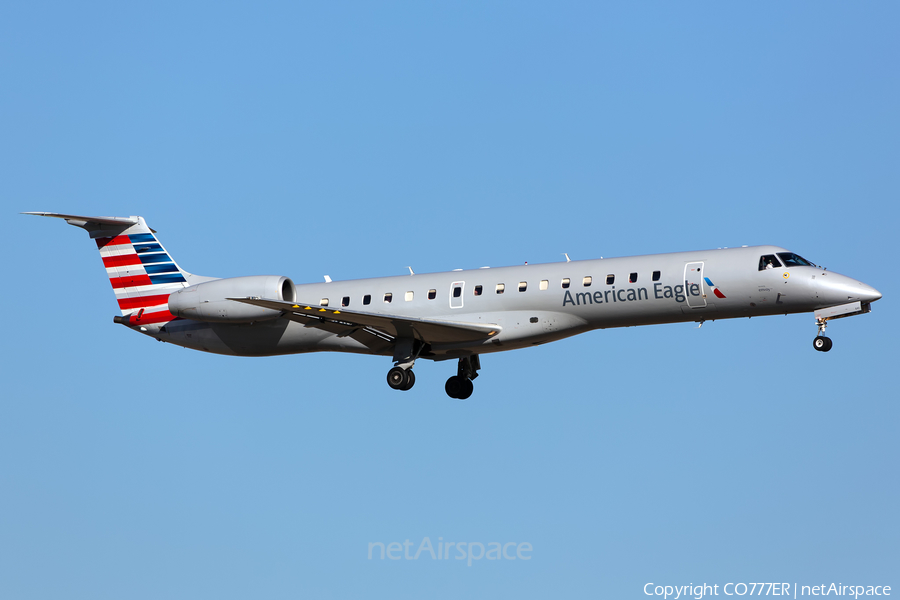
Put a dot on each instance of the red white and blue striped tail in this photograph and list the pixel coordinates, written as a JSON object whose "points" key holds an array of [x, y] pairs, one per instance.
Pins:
{"points": [[140, 270]]}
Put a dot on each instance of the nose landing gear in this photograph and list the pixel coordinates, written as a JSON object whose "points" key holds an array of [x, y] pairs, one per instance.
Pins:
{"points": [[822, 343], [460, 385]]}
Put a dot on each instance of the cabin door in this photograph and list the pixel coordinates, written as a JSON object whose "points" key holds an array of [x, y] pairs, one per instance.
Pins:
{"points": [[693, 285]]}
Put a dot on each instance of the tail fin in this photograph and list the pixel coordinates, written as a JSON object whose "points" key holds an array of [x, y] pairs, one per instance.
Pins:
{"points": [[140, 270]]}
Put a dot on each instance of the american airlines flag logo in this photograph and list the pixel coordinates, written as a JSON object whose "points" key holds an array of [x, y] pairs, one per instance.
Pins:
{"points": [[714, 288], [142, 276]]}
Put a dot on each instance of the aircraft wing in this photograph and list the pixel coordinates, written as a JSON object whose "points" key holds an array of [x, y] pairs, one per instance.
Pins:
{"points": [[386, 327]]}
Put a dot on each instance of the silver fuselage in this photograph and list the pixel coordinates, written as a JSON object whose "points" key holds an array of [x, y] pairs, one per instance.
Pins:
{"points": [[691, 286]]}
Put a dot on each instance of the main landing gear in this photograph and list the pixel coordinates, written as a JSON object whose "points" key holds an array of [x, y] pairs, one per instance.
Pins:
{"points": [[401, 379], [822, 343], [460, 385]]}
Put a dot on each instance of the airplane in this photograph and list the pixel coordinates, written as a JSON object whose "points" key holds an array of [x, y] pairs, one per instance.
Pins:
{"points": [[457, 315]]}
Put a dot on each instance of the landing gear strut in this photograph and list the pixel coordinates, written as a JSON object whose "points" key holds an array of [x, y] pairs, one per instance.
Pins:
{"points": [[822, 343], [460, 385]]}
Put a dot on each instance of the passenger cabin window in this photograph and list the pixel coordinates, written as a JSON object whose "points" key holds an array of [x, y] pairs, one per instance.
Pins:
{"points": [[345, 301], [632, 278], [323, 302], [544, 284], [523, 285], [367, 299], [388, 297], [478, 289], [457, 292], [432, 294], [793, 260], [610, 279], [565, 283], [768, 262], [656, 275], [408, 296], [587, 281], [501, 287]]}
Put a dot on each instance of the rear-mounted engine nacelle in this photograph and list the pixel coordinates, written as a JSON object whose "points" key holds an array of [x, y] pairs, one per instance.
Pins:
{"points": [[209, 301]]}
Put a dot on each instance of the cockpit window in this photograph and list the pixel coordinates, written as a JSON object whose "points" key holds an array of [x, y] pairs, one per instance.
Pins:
{"points": [[792, 260], [769, 261]]}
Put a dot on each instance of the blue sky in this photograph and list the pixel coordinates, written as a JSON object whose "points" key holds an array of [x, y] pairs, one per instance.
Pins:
{"points": [[354, 140]]}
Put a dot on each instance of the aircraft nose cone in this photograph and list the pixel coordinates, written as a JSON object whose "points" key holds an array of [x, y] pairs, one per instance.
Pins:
{"points": [[868, 293], [860, 291], [840, 288]]}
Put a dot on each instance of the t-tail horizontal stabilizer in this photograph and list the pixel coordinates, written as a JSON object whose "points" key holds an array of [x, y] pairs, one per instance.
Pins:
{"points": [[86, 222]]}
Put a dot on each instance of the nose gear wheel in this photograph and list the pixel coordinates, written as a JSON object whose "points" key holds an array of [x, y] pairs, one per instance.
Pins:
{"points": [[822, 343]]}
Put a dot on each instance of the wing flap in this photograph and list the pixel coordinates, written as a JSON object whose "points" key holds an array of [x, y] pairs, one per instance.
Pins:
{"points": [[431, 331]]}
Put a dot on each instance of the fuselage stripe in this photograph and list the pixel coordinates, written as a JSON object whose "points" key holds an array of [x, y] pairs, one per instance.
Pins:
{"points": [[141, 248], [121, 260], [167, 278], [112, 241], [142, 237], [154, 258], [156, 317], [164, 268], [144, 301], [121, 282]]}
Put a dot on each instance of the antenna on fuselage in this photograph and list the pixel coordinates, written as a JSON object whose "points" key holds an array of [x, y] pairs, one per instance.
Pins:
{"points": [[327, 279], [566, 254], [410, 271]]}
